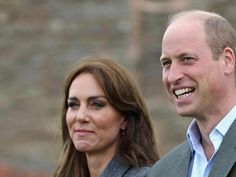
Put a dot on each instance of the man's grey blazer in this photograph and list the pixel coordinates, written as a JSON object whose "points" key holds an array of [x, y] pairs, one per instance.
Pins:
{"points": [[176, 162]]}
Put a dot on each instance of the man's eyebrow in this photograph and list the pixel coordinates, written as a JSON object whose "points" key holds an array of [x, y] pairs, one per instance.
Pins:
{"points": [[182, 55], [163, 58]]}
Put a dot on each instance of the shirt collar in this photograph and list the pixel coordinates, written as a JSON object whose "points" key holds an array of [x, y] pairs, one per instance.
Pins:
{"points": [[225, 123], [193, 133]]}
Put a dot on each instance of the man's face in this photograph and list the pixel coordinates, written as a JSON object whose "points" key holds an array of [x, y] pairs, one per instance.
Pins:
{"points": [[191, 77]]}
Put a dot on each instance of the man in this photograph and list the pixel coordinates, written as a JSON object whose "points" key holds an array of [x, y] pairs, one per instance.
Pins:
{"points": [[198, 60]]}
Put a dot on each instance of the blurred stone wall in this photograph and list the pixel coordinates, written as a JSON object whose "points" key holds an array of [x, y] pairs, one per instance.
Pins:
{"points": [[39, 42]]}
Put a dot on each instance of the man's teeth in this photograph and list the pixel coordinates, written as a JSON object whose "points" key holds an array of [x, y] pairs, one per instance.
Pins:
{"points": [[181, 93], [184, 95]]}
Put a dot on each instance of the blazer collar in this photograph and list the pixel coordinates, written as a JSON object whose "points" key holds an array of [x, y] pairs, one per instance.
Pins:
{"points": [[226, 155], [116, 168]]}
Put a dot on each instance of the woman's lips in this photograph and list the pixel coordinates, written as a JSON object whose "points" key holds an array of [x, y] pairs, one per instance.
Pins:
{"points": [[83, 132]]}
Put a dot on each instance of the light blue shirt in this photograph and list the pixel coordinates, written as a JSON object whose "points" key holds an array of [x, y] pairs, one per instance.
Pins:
{"points": [[199, 165]]}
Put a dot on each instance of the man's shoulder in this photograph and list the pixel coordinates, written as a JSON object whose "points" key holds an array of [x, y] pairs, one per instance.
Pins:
{"points": [[174, 153], [171, 160]]}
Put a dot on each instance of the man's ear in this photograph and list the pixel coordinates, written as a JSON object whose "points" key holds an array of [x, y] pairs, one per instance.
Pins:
{"points": [[228, 60]]}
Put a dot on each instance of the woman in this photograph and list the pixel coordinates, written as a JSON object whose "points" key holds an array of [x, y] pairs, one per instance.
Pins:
{"points": [[106, 126]]}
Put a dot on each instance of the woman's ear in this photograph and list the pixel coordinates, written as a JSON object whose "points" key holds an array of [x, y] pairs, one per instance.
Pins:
{"points": [[124, 123]]}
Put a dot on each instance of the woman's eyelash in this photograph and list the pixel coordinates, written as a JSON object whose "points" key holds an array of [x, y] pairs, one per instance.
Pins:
{"points": [[98, 104], [72, 104]]}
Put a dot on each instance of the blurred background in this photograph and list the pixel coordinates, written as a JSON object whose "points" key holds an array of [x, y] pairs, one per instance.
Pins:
{"points": [[39, 42]]}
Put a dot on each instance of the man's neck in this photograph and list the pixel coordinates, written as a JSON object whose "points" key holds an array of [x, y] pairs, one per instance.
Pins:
{"points": [[207, 145], [206, 125]]}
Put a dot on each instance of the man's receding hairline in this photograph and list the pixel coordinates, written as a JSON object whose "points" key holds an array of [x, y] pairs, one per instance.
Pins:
{"points": [[192, 14]]}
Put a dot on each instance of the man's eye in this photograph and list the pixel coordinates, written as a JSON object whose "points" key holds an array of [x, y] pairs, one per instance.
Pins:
{"points": [[166, 63], [187, 59]]}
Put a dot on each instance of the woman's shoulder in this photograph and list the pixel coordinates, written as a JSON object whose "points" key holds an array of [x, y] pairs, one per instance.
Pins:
{"points": [[117, 168], [137, 172]]}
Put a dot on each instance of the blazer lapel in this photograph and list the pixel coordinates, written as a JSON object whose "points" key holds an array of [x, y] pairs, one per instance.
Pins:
{"points": [[182, 161], [226, 155]]}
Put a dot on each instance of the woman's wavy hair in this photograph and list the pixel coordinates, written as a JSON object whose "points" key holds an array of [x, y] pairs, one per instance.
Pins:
{"points": [[137, 146]]}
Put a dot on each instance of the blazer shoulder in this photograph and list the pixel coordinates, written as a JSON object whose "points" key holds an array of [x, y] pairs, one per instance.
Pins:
{"points": [[171, 161], [175, 153]]}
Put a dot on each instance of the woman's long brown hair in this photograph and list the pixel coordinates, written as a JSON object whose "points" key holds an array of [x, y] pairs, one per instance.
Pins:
{"points": [[138, 147]]}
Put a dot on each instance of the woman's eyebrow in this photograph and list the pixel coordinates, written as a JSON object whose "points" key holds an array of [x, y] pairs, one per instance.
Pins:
{"points": [[73, 98], [96, 97]]}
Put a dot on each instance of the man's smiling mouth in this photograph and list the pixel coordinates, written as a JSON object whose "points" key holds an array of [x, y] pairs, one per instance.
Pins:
{"points": [[184, 92]]}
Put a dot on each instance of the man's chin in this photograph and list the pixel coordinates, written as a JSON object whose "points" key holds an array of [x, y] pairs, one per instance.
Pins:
{"points": [[184, 112]]}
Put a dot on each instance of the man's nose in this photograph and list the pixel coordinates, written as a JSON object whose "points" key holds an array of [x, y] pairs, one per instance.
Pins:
{"points": [[175, 73]]}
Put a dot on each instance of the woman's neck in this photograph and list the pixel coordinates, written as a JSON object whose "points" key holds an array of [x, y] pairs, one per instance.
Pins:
{"points": [[97, 163]]}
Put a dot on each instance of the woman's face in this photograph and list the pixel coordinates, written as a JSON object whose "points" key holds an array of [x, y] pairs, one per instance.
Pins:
{"points": [[94, 125]]}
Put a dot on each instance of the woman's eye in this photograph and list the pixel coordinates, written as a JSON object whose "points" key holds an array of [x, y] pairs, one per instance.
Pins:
{"points": [[72, 105], [98, 105]]}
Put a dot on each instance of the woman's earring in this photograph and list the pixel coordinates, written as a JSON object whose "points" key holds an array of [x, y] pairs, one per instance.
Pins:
{"points": [[122, 131]]}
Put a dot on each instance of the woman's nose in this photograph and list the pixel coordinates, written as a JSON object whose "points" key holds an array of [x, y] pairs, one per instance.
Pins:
{"points": [[82, 114]]}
